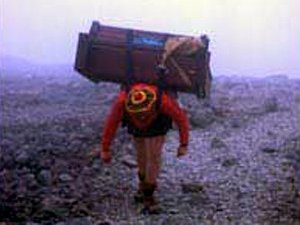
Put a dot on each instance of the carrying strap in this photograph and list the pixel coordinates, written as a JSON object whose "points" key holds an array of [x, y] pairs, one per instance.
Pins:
{"points": [[161, 70], [160, 87], [129, 69], [129, 59], [200, 81]]}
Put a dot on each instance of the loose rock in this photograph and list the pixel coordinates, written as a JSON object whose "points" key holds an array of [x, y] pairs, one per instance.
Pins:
{"points": [[65, 177]]}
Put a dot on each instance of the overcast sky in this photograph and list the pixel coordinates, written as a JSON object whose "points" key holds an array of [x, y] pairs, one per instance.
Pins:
{"points": [[248, 37]]}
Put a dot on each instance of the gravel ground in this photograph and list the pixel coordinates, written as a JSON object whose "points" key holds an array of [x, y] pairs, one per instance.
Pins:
{"points": [[242, 166]]}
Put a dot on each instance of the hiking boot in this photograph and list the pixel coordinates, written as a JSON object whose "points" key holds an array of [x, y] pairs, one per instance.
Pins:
{"points": [[151, 206], [139, 196]]}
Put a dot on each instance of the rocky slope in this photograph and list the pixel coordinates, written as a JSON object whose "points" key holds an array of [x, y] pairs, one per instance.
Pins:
{"points": [[242, 166]]}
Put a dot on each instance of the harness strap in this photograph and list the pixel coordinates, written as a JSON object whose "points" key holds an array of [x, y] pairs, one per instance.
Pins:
{"points": [[129, 59], [201, 78], [160, 87], [161, 70]]}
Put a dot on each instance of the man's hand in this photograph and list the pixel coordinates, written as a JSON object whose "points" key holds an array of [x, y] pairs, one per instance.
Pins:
{"points": [[105, 156], [181, 151], [93, 153]]}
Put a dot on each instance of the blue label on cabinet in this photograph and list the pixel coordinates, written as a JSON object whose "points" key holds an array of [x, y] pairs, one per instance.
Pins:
{"points": [[148, 41]]}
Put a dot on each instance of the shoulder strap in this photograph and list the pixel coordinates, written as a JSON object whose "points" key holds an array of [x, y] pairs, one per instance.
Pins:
{"points": [[129, 59], [159, 98], [160, 84]]}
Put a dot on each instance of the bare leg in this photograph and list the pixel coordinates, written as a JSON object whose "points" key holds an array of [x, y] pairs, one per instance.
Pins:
{"points": [[149, 159], [153, 158], [139, 144]]}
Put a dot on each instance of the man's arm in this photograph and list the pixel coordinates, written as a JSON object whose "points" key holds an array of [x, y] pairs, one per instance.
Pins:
{"points": [[112, 122], [171, 108]]}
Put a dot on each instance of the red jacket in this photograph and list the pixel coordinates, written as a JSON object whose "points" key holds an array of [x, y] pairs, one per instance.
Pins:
{"points": [[168, 106]]}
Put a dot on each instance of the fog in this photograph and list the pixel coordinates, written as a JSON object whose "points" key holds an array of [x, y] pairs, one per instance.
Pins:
{"points": [[248, 37]]}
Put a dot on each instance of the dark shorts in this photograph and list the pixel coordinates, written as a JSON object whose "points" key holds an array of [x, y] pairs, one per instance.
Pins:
{"points": [[160, 126]]}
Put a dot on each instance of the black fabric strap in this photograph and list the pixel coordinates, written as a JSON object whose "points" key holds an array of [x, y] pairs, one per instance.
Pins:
{"points": [[201, 78], [161, 71], [160, 87], [202, 58], [129, 59]]}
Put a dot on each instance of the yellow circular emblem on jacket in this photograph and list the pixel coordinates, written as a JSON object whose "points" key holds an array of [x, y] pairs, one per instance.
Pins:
{"points": [[140, 99]]}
